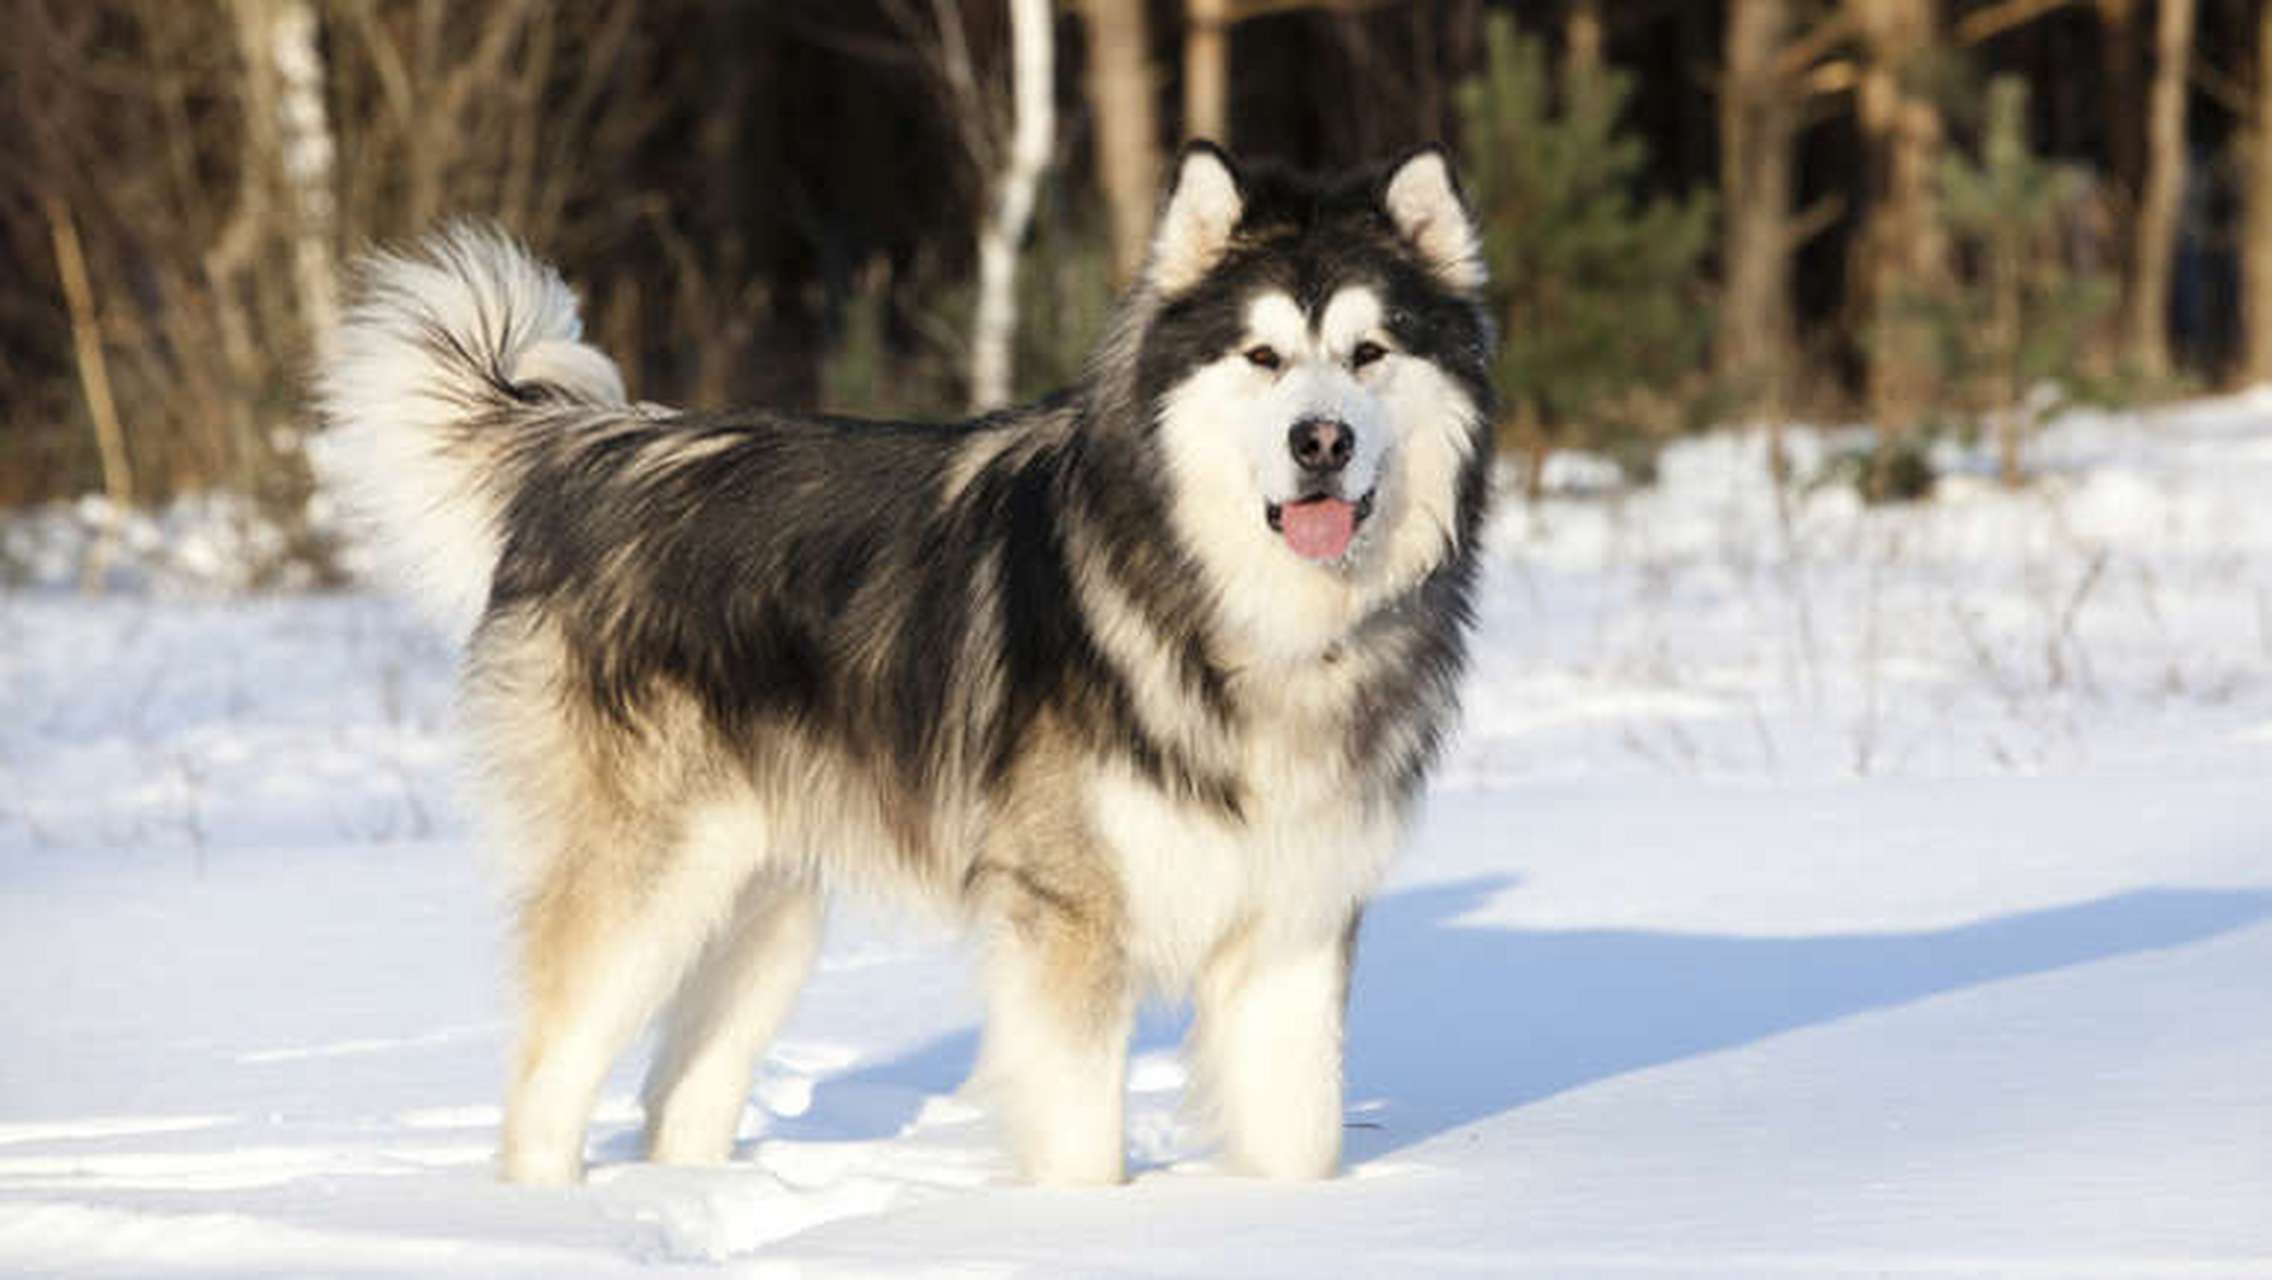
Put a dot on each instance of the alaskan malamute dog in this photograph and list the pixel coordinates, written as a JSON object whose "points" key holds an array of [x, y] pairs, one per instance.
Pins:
{"points": [[1141, 681]]}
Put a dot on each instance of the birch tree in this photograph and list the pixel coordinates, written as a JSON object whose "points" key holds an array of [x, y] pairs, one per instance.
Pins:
{"points": [[1033, 133], [286, 188], [304, 154]]}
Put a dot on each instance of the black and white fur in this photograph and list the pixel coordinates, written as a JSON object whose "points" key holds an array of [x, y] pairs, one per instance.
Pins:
{"points": [[1055, 669]]}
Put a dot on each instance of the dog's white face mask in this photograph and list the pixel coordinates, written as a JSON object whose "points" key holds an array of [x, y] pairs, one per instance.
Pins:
{"points": [[1300, 409], [1309, 435]]}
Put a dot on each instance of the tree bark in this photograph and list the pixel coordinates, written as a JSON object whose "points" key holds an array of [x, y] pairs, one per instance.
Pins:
{"points": [[1127, 127], [2005, 268], [94, 382], [306, 154], [2123, 112], [288, 142], [1902, 253], [1582, 39], [2256, 246], [1033, 133], [1207, 70], [1755, 193], [2154, 241]]}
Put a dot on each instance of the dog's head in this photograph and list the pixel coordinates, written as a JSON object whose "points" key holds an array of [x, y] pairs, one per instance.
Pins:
{"points": [[1315, 368]]}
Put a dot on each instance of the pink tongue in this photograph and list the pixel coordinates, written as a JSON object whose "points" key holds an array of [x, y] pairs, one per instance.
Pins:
{"points": [[1319, 529]]}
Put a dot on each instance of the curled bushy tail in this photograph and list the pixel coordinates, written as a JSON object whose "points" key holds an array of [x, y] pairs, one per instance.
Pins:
{"points": [[453, 353]]}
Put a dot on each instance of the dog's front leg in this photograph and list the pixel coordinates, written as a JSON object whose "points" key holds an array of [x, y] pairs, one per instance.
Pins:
{"points": [[1267, 1049], [1055, 1061]]}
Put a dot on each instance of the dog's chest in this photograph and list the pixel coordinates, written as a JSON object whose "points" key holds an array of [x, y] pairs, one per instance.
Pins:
{"points": [[1303, 851]]}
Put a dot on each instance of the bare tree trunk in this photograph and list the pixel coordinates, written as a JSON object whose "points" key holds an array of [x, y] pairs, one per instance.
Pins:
{"points": [[94, 381], [1755, 192], [305, 151], [1207, 70], [2256, 247], [1531, 439], [246, 235], [1033, 132], [1127, 128], [2007, 254], [288, 144], [2155, 238], [1581, 39], [2122, 109], [1902, 251]]}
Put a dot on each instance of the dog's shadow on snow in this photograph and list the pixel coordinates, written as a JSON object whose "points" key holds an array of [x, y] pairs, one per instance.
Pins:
{"points": [[1451, 1023]]}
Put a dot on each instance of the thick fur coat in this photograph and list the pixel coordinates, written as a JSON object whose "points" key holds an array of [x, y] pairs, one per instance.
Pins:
{"points": [[1141, 681]]}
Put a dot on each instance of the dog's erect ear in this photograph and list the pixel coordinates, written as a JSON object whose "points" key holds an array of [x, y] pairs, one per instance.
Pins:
{"points": [[1197, 217], [1423, 201]]}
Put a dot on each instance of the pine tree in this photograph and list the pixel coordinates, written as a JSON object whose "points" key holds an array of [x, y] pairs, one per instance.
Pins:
{"points": [[1596, 291]]}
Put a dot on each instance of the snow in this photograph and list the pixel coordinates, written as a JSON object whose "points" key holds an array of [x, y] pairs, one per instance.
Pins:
{"points": [[1867, 891]]}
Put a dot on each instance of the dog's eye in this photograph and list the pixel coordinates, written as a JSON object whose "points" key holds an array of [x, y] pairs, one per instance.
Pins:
{"points": [[1263, 357], [1365, 353]]}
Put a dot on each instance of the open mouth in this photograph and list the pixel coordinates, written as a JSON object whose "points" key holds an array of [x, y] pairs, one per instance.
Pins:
{"points": [[1319, 527]]}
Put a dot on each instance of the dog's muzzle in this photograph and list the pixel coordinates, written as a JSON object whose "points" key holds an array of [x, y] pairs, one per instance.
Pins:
{"points": [[1321, 523]]}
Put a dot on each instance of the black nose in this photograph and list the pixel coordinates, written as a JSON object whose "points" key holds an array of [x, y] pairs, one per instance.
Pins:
{"points": [[1320, 445]]}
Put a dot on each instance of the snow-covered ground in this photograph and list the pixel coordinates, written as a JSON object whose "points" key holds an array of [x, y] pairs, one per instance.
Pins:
{"points": [[1842, 891]]}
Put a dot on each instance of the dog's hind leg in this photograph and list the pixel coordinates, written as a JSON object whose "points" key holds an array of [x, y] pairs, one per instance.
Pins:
{"points": [[1055, 1059], [1267, 1049], [605, 936], [725, 1013]]}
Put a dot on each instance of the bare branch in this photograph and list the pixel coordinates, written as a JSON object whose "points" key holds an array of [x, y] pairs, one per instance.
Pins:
{"points": [[1996, 19]]}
